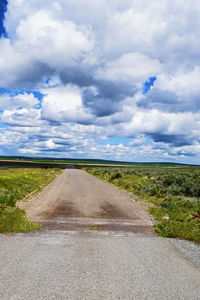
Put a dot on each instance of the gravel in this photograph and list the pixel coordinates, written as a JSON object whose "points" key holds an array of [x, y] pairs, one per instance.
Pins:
{"points": [[89, 265], [189, 249]]}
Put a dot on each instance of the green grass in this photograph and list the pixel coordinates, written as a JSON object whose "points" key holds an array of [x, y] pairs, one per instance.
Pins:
{"points": [[15, 220], [19, 184], [95, 228], [172, 195]]}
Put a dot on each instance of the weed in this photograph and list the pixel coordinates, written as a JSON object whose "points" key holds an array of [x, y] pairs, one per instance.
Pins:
{"points": [[96, 228]]}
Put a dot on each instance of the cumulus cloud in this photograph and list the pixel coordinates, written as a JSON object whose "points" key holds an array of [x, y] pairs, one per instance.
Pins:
{"points": [[42, 46], [179, 92], [130, 67], [92, 63], [17, 101], [64, 104]]}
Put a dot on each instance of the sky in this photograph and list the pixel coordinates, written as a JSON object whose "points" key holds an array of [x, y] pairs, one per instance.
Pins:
{"points": [[106, 79]]}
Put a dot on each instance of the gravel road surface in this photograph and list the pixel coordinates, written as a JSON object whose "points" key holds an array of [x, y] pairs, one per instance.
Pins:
{"points": [[82, 265], [78, 200], [66, 260]]}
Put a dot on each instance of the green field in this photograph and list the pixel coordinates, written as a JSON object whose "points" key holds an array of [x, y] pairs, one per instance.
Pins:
{"points": [[172, 195], [81, 162], [19, 184]]}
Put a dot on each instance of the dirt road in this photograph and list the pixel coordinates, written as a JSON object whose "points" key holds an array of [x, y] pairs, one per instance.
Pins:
{"points": [[123, 261], [78, 200]]}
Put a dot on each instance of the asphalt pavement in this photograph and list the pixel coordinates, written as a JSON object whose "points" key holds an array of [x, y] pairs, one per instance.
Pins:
{"points": [[90, 265]]}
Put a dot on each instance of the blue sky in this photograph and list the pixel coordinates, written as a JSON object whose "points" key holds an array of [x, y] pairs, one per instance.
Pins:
{"points": [[100, 79], [3, 6]]}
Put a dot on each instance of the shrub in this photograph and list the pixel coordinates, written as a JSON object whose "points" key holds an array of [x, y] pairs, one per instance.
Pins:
{"points": [[172, 229], [116, 176]]}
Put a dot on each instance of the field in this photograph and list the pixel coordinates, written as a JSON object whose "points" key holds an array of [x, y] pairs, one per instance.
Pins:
{"points": [[19, 184], [24, 161], [21, 159], [172, 195]]}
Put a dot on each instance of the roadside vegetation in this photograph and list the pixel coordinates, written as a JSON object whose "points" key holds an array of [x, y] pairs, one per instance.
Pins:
{"points": [[19, 184], [172, 195]]}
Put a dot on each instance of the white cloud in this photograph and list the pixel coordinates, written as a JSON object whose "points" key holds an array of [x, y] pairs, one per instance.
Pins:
{"points": [[64, 104], [131, 67], [182, 83], [18, 101], [165, 30], [154, 121], [107, 49], [43, 45], [53, 41], [22, 117], [28, 151]]}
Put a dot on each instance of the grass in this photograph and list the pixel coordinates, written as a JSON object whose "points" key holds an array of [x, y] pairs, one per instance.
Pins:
{"points": [[172, 195], [96, 228], [15, 220], [18, 184]]}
